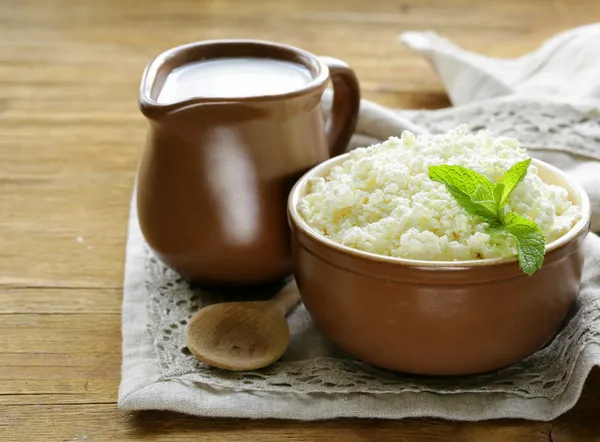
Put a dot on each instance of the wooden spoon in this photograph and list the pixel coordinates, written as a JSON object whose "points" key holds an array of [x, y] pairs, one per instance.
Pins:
{"points": [[241, 336]]}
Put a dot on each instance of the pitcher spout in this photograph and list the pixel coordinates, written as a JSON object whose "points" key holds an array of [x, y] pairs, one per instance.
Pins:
{"points": [[155, 110], [152, 108], [153, 81]]}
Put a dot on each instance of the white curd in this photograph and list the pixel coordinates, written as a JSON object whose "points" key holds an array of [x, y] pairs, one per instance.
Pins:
{"points": [[381, 199]]}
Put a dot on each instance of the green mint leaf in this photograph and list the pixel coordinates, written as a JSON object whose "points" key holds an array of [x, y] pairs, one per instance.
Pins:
{"points": [[531, 241], [473, 191], [510, 180], [496, 229], [498, 192], [467, 180], [472, 207], [481, 197]]}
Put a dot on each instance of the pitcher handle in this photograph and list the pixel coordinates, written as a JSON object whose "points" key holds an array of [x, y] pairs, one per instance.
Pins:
{"points": [[346, 102]]}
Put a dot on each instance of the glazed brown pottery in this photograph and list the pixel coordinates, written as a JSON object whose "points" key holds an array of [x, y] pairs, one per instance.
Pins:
{"points": [[216, 172], [436, 318]]}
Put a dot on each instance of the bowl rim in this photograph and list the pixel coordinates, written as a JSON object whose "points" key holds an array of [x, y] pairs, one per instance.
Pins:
{"points": [[298, 221]]}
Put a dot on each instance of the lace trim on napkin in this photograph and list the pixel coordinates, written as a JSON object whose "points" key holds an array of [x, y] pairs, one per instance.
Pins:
{"points": [[548, 125], [312, 364]]}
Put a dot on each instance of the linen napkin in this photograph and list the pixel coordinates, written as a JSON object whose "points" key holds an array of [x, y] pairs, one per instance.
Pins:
{"points": [[566, 66], [314, 380]]}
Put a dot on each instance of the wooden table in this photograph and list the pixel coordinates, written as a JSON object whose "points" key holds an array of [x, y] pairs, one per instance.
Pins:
{"points": [[70, 137]]}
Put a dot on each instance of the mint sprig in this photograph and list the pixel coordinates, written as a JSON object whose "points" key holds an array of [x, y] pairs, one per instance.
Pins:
{"points": [[483, 198], [473, 191]]}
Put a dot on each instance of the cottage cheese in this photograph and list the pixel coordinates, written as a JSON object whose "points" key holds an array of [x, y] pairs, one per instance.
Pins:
{"points": [[381, 199]]}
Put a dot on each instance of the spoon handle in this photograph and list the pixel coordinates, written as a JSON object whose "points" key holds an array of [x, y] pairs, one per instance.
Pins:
{"points": [[285, 298]]}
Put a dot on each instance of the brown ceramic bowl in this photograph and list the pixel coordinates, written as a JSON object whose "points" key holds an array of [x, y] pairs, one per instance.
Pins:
{"points": [[434, 317]]}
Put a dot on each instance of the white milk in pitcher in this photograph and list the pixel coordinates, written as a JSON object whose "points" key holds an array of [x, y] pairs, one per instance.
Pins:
{"points": [[233, 78]]}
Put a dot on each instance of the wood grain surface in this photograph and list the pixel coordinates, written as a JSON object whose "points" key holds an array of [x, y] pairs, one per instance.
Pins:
{"points": [[70, 138]]}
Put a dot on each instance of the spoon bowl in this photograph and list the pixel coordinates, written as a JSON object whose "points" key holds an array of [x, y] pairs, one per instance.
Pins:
{"points": [[240, 336]]}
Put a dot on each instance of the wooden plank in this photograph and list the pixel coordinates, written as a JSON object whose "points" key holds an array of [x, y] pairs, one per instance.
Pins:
{"points": [[60, 333], [60, 300], [42, 195], [83, 362], [103, 422], [58, 378], [70, 391], [47, 259]]}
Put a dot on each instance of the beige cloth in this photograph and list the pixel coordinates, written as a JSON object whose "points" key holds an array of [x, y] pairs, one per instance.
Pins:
{"points": [[314, 381], [565, 66]]}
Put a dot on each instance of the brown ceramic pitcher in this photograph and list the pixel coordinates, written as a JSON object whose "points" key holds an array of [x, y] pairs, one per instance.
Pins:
{"points": [[216, 172]]}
